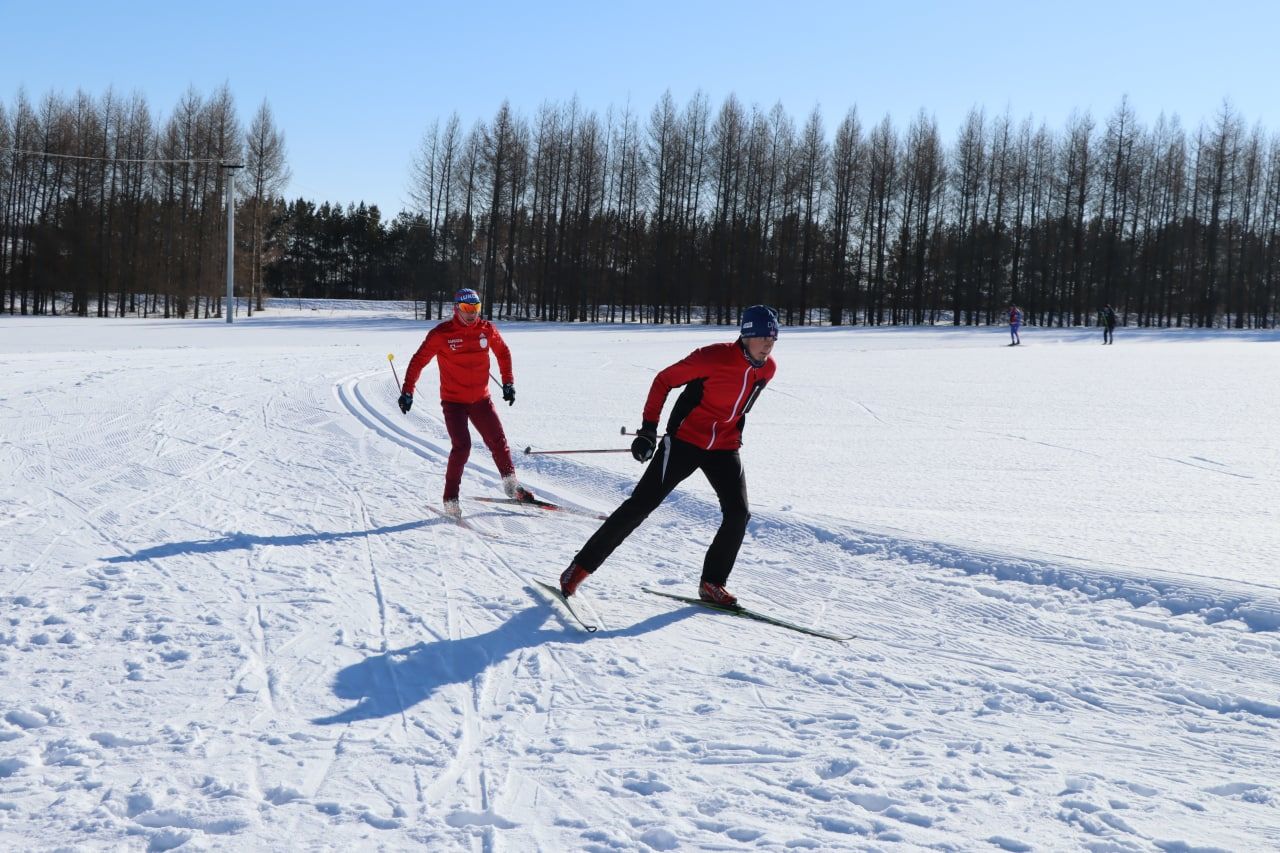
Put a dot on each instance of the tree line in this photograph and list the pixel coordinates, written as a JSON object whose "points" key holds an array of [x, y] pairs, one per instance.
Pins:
{"points": [[105, 207], [691, 212], [685, 214]]}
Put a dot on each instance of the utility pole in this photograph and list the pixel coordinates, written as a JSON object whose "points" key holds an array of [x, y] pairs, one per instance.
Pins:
{"points": [[231, 236]]}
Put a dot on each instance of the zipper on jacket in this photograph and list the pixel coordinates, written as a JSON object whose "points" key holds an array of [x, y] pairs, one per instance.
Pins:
{"points": [[733, 413]]}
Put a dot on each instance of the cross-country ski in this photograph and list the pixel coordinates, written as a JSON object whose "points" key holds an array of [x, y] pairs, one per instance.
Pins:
{"points": [[539, 504], [747, 613], [569, 604]]}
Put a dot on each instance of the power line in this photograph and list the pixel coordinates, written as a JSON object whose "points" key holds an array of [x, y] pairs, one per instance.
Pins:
{"points": [[190, 160]]}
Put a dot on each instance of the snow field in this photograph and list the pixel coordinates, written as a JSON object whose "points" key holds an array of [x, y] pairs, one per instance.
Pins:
{"points": [[230, 618]]}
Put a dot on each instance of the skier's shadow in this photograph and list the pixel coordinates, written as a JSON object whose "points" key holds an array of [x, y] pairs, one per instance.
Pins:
{"points": [[394, 681], [247, 541]]}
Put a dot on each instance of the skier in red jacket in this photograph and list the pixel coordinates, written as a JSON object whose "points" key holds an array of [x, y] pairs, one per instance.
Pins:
{"points": [[721, 382], [461, 346]]}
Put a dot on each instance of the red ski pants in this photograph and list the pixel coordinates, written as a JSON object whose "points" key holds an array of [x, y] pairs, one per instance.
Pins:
{"points": [[485, 418]]}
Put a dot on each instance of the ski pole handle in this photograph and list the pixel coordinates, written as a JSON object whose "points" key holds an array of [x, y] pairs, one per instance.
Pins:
{"points": [[391, 357]]}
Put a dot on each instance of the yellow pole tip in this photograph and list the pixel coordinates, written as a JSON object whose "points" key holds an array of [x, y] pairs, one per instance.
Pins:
{"points": [[391, 356]]}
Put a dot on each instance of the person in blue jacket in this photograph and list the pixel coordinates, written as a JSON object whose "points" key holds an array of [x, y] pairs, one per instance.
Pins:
{"points": [[1015, 323]]}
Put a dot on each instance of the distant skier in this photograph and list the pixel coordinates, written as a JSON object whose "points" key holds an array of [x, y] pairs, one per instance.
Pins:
{"points": [[462, 344], [721, 382], [1108, 320], [1015, 323]]}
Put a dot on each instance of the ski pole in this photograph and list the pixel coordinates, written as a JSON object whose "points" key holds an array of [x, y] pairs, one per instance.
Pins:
{"points": [[531, 452], [391, 357]]}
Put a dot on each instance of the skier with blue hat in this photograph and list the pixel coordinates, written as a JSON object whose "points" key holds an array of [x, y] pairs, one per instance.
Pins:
{"points": [[721, 383]]}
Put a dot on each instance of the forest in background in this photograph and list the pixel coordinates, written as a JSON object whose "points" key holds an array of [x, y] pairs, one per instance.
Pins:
{"points": [[684, 214]]}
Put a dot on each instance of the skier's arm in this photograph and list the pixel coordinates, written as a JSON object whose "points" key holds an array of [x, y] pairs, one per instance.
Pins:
{"points": [[503, 352], [420, 359], [682, 372]]}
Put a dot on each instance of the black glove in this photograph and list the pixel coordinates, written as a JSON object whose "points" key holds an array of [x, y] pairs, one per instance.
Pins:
{"points": [[642, 446], [509, 393], [406, 402]]}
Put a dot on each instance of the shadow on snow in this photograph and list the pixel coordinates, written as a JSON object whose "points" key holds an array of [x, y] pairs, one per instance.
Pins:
{"points": [[245, 541], [393, 682]]}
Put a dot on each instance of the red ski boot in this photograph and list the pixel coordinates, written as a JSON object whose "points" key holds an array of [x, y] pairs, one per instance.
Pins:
{"points": [[571, 577], [715, 593]]}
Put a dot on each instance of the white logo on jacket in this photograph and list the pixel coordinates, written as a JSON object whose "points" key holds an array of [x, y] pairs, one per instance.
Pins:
{"points": [[484, 342], [455, 344]]}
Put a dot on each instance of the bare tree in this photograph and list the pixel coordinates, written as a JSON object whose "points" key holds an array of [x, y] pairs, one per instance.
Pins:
{"points": [[267, 175], [728, 166], [811, 163], [881, 207], [1217, 155], [8, 183], [923, 183], [848, 164], [969, 165], [1119, 186], [664, 159]]}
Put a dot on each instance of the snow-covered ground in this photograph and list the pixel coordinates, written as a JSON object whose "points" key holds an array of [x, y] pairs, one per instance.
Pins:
{"points": [[232, 618]]}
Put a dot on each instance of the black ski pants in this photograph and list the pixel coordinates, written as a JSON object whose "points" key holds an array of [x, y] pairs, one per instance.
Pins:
{"points": [[673, 462]]}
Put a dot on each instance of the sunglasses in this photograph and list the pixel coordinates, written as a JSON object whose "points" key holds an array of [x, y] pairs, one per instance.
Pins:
{"points": [[469, 307]]}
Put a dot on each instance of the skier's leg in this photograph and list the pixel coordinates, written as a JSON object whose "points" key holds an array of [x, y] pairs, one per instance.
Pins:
{"points": [[485, 417], [455, 421], [672, 463], [724, 471]]}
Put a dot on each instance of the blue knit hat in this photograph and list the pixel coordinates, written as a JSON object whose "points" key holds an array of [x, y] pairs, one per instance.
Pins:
{"points": [[759, 321], [467, 295]]}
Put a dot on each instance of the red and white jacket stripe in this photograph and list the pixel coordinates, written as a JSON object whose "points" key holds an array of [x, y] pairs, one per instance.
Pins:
{"points": [[720, 387]]}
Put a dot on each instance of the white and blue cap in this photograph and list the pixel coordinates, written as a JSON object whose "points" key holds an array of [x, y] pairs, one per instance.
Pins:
{"points": [[759, 321]]}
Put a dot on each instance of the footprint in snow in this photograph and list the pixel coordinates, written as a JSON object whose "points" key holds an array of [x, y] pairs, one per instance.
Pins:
{"points": [[1247, 792]]}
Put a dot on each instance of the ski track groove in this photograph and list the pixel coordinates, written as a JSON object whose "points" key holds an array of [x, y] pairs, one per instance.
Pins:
{"points": [[364, 522], [350, 395], [462, 763], [220, 446]]}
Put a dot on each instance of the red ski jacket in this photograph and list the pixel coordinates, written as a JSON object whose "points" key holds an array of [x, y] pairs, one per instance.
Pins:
{"points": [[463, 353], [721, 386]]}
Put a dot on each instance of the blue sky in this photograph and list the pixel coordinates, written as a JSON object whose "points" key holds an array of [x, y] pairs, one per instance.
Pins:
{"points": [[355, 86]]}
